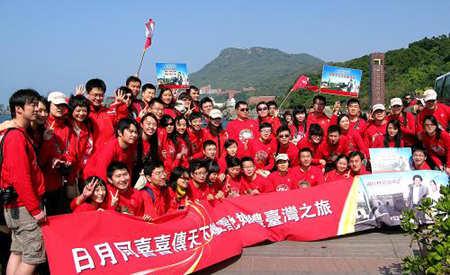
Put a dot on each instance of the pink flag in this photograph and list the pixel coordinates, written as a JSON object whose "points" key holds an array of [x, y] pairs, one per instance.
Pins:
{"points": [[302, 82], [149, 29]]}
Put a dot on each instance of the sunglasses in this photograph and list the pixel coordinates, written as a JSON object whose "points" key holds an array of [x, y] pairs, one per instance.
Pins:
{"points": [[263, 109], [244, 110], [284, 136], [171, 124]]}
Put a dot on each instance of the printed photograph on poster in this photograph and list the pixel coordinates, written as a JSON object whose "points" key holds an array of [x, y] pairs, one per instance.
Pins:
{"points": [[172, 75], [390, 196], [340, 81], [385, 160]]}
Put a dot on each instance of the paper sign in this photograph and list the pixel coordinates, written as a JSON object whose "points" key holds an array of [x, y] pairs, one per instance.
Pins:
{"points": [[340, 81], [172, 75]]}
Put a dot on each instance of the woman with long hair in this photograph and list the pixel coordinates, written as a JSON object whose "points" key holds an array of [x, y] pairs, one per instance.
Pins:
{"points": [[341, 171], [166, 96], [437, 143], [392, 138], [299, 118], [147, 146], [315, 138], [407, 122]]}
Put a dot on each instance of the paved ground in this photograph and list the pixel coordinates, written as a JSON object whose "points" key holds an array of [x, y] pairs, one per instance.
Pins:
{"points": [[370, 252]]}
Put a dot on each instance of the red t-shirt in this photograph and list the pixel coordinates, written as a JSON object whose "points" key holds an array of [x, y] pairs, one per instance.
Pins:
{"points": [[355, 142], [441, 113], [334, 176], [262, 153], [259, 183], [314, 176], [193, 193], [424, 166], [379, 143], [305, 143], [292, 152], [279, 183], [232, 186], [323, 120], [219, 140], [372, 132], [330, 152], [242, 131]]}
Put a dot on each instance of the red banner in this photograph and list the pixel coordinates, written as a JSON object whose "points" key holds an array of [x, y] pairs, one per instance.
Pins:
{"points": [[204, 234]]}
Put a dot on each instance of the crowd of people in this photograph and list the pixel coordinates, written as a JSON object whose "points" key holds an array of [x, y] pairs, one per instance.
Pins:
{"points": [[148, 155]]}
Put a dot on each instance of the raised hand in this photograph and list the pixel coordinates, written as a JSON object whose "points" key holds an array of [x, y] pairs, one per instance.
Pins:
{"points": [[80, 90], [114, 198], [49, 132], [120, 95]]}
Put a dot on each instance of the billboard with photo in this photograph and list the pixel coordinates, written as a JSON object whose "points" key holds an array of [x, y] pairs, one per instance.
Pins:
{"points": [[385, 160], [172, 75], [340, 81]]}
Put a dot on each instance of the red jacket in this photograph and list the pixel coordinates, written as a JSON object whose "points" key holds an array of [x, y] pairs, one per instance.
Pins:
{"points": [[441, 113], [305, 143], [314, 176], [160, 204], [21, 170], [104, 119], [355, 142], [292, 151], [130, 201], [330, 152], [196, 143], [372, 132], [259, 183], [196, 194], [110, 152], [219, 140], [81, 147], [323, 121]]}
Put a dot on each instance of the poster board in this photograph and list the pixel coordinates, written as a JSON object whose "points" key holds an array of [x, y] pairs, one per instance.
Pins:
{"points": [[172, 75], [385, 160], [340, 81]]}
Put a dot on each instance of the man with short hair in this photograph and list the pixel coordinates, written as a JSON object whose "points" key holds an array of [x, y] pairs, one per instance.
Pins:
{"points": [[157, 108], [118, 149], [307, 174], [318, 116], [416, 191], [194, 93], [196, 135], [419, 155], [198, 188], [334, 146], [440, 111], [378, 127], [121, 197], [134, 84], [355, 162], [242, 129], [103, 119], [209, 150], [206, 105], [141, 107], [251, 183], [262, 149], [22, 177]]}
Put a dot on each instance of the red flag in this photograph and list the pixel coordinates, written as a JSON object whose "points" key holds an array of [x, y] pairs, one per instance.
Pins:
{"points": [[302, 82], [149, 28]]}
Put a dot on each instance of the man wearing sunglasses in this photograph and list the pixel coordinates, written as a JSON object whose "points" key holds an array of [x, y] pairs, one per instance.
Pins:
{"points": [[242, 129]]}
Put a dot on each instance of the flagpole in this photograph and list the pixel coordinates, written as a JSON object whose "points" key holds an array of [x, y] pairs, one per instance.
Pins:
{"points": [[140, 63], [284, 100]]}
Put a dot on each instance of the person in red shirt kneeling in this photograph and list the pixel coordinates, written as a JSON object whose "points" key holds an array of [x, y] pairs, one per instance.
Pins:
{"points": [[198, 188], [307, 175], [419, 154], [282, 179], [341, 172], [94, 194], [121, 196], [357, 168], [156, 196]]}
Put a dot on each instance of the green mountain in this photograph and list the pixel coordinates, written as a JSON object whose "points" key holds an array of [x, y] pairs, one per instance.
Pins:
{"points": [[273, 72], [263, 68], [408, 70]]}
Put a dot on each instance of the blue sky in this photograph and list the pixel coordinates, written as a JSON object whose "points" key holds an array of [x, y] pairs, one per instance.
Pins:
{"points": [[56, 45]]}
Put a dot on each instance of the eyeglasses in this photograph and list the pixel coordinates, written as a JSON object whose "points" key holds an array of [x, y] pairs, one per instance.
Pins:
{"points": [[200, 173], [244, 110], [266, 131], [284, 136], [127, 97], [263, 109]]}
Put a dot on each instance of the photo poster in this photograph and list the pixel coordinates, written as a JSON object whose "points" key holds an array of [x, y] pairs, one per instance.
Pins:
{"points": [[172, 75], [381, 200], [340, 81], [386, 160]]}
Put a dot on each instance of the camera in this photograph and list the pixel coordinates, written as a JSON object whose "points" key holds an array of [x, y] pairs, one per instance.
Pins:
{"points": [[8, 195]]}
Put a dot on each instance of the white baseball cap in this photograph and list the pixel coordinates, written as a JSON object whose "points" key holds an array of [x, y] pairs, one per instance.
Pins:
{"points": [[396, 102], [281, 157], [57, 98], [215, 113], [378, 106], [429, 95]]}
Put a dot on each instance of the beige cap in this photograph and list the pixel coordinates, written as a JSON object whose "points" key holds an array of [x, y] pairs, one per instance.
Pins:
{"points": [[57, 98], [378, 107], [429, 95], [281, 157], [215, 113], [396, 102]]}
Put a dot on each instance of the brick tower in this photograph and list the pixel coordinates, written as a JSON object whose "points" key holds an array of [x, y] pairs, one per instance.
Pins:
{"points": [[377, 84]]}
